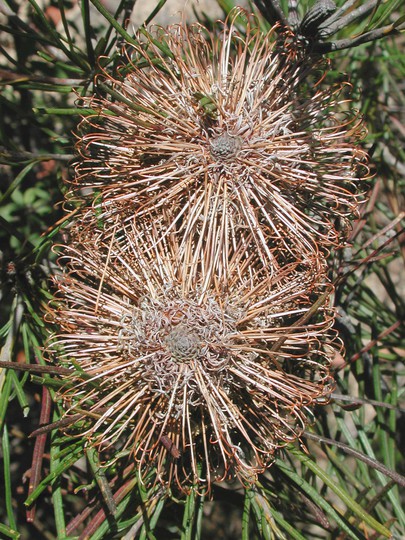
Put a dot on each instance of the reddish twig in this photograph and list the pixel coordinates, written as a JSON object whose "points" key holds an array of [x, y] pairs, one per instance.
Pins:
{"points": [[38, 455]]}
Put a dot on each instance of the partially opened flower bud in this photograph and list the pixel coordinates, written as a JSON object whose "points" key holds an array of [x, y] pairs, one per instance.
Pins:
{"points": [[230, 124], [200, 382]]}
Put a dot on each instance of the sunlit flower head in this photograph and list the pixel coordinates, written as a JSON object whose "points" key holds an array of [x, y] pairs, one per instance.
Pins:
{"points": [[197, 383], [225, 123]]}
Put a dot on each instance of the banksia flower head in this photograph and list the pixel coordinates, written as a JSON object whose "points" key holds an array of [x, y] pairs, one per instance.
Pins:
{"points": [[227, 124], [198, 383]]}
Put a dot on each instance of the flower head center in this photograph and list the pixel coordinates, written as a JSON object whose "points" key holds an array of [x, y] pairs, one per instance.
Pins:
{"points": [[183, 343], [225, 147]]}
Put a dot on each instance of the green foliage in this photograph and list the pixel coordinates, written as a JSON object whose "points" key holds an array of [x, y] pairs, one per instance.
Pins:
{"points": [[332, 489]]}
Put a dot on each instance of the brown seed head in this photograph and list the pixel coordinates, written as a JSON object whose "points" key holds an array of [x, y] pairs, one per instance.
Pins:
{"points": [[223, 375]]}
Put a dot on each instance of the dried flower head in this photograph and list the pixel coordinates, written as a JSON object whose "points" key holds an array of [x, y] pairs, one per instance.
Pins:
{"points": [[228, 124], [199, 383]]}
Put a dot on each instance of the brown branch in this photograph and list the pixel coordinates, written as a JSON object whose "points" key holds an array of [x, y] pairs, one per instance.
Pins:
{"points": [[52, 370], [348, 43], [398, 478], [56, 425], [39, 449], [374, 342]]}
